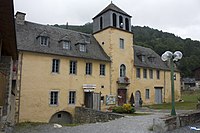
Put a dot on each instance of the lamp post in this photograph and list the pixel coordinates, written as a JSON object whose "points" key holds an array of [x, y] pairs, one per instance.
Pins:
{"points": [[172, 57]]}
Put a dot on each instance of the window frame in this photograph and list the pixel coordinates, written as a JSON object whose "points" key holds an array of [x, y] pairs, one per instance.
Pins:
{"points": [[102, 68], [66, 45], [55, 66], [88, 68], [44, 41], [72, 97], [138, 73], [122, 71], [73, 67], [82, 48], [158, 74], [151, 73], [147, 94], [121, 43], [52, 101], [144, 73]]}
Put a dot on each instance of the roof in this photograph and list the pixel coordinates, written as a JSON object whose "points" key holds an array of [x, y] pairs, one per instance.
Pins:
{"points": [[112, 7], [7, 29], [189, 80], [148, 53], [28, 35]]}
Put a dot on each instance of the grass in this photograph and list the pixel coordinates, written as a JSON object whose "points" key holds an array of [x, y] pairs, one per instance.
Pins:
{"points": [[190, 102]]}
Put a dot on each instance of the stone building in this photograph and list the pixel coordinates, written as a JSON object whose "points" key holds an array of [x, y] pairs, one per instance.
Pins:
{"points": [[8, 56], [60, 68]]}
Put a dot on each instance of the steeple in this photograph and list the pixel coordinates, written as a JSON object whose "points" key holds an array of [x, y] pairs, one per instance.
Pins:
{"points": [[112, 16]]}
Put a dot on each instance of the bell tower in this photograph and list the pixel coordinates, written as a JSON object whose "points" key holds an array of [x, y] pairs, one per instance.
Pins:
{"points": [[112, 29]]}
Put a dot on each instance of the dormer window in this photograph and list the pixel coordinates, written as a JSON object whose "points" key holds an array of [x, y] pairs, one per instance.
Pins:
{"points": [[44, 40], [82, 47], [66, 44], [141, 57], [151, 59]]}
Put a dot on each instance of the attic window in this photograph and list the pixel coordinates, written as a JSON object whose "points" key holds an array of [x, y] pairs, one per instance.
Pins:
{"points": [[141, 57], [82, 47], [151, 59], [44, 40], [66, 44]]}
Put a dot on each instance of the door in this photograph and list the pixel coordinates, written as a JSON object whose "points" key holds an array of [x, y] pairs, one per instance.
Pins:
{"points": [[158, 95], [137, 98], [96, 101], [88, 99], [122, 96]]}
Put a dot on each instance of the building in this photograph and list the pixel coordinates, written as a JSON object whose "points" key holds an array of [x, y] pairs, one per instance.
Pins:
{"points": [[60, 69], [8, 56]]}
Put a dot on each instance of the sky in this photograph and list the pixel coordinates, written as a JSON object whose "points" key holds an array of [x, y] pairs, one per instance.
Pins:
{"points": [[180, 17]]}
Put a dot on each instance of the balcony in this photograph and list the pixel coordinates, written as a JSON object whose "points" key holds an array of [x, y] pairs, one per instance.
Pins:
{"points": [[123, 80]]}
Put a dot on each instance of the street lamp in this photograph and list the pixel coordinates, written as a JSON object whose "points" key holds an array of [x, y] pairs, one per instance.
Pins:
{"points": [[172, 57]]}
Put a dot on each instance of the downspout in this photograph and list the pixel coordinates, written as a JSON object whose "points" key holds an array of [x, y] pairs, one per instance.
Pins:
{"points": [[164, 85], [20, 81]]}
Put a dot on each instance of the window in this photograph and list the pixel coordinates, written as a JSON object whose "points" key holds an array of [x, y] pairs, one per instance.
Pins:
{"points": [[121, 43], [121, 23], [44, 41], [73, 67], [54, 98], [101, 23], [145, 73], [127, 24], [102, 69], [150, 73], [158, 74], [82, 48], [72, 97], [88, 69], [122, 70], [114, 20], [66, 45], [147, 94], [138, 73], [143, 58], [55, 65]]}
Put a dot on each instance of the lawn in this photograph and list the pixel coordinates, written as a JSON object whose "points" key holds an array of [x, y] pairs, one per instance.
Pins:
{"points": [[190, 101]]}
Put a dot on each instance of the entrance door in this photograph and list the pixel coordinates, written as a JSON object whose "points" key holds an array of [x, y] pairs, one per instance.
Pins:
{"points": [[89, 99], [122, 96], [96, 101], [137, 98], [158, 95]]}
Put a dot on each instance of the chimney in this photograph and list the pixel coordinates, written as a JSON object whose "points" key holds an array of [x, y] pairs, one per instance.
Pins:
{"points": [[20, 18]]}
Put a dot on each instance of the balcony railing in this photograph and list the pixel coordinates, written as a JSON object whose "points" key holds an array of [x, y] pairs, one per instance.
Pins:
{"points": [[123, 80]]}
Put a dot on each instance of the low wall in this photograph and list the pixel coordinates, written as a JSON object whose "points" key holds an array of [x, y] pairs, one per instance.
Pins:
{"points": [[86, 115], [168, 123]]}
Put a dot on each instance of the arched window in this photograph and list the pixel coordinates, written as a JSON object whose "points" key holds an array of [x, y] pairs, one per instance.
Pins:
{"points": [[127, 24], [121, 23], [101, 23], [122, 70], [114, 20]]}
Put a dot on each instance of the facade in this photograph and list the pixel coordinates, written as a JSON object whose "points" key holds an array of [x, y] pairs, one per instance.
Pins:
{"points": [[60, 69], [8, 56]]}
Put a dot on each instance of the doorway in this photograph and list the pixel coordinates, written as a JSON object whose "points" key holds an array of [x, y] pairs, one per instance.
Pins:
{"points": [[122, 96], [158, 95], [137, 98]]}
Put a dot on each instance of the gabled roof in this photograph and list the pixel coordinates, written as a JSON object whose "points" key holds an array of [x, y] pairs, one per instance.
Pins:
{"points": [[157, 63], [112, 7], [27, 40]]}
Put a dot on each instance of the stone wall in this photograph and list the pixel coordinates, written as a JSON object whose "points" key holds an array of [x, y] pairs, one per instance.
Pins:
{"points": [[86, 115], [168, 123]]}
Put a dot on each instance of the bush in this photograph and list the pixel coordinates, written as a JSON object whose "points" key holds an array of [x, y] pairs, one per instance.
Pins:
{"points": [[126, 108]]}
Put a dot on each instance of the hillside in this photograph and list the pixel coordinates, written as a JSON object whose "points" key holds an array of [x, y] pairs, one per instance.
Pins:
{"points": [[160, 42]]}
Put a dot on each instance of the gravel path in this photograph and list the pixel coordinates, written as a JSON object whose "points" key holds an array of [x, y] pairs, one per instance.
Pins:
{"points": [[128, 124]]}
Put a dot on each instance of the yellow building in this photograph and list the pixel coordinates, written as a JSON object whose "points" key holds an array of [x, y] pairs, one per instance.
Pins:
{"points": [[60, 69]]}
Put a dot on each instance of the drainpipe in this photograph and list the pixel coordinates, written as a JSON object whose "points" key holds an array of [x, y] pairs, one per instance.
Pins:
{"points": [[20, 82], [164, 84]]}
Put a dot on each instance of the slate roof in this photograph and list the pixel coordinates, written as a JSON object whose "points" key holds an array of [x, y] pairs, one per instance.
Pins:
{"points": [[28, 40], [189, 80], [148, 53], [112, 7]]}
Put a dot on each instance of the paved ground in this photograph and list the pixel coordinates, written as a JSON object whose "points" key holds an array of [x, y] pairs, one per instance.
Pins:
{"points": [[128, 124]]}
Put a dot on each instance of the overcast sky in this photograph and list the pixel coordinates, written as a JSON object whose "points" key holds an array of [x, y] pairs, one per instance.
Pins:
{"points": [[181, 17]]}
